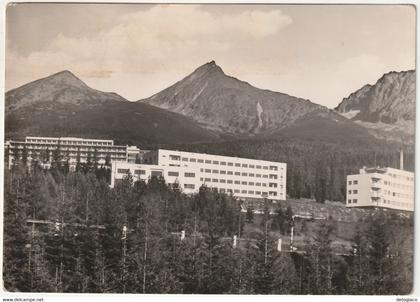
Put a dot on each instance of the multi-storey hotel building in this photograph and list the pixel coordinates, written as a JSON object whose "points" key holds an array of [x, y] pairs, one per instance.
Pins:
{"points": [[245, 178], [71, 148], [381, 187]]}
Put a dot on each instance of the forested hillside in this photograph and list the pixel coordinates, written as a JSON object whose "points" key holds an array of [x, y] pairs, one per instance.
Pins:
{"points": [[69, 232]]}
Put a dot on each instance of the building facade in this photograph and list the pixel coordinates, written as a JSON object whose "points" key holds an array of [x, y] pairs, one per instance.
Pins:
{"points": [[381, 187], [244, 178], [70, 148]]}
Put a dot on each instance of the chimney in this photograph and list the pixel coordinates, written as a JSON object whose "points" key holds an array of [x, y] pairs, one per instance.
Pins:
{"points": [[401, 159]]}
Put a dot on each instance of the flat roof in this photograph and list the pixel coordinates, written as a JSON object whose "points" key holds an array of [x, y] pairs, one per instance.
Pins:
{"points": [[223, 156]]}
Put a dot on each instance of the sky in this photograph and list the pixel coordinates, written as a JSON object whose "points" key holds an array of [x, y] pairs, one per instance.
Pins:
{"points": [[317, 52]]}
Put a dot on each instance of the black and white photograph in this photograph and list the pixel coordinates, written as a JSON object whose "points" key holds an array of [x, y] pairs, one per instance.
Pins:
{"points": [[230, 149]]}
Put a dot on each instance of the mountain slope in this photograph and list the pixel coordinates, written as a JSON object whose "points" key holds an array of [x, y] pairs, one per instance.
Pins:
{"points": [[226, 104], [62, 88], [386, 108], [62, 105]]}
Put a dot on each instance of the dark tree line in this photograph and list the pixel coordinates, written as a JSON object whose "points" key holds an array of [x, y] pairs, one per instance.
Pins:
{"points": [[69, 231]]}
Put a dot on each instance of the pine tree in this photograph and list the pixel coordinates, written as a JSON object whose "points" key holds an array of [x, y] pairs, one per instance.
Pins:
{"points": [[16, 270], [249, 214]]}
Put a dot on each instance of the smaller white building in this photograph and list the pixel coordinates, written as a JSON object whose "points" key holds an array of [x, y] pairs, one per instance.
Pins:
{"points": [[381, 187]]}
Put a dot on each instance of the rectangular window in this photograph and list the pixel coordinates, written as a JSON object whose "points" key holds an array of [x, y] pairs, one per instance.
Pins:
{"points": [[189, 174], [140, 172], [215, 162], [229, 173], [216, 171], [200, 161], [223, 163], [243, 191], [273, 176], [354, 200], [258, 184], [258, 167], [184, 159], [208, 161], [251, 192], [354, 191], [244, 165], [264, 184], [272, 193], [237, 165], [171, 173], [244, 183], [201, 170], [201, 179], [193, 160], [207, 171], [265, 167], [174, 157], [229, 190], [258, 192], [355, 182], [349, 201], [258, 175], [273, 168], [223, 181], [222, 172], [230, 164], [244, 174], [237, 191], [251, 183], [215, 180], [189, 186], [156, 173], [251, 175], [252, 166], [272, 185], [237, 173], [229, 181], [237, 182], [123, 171], [265, 176], [349, 182], [207, 179]]}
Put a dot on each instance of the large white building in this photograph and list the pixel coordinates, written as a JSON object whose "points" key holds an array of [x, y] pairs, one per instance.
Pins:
{"points": [[70, 148], [244, 178], [381, 187]]}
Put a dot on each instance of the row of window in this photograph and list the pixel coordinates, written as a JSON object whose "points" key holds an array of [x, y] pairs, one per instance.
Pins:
{"points": [[387, 192], [139, 172], [354, 182], [248, 192], [48, 141], [222, 163], [82, 154], [409, 178], [385, 201], [237, 182], [397, 185], [65, 148], [176, 174], [270, 176], [396, 203]]}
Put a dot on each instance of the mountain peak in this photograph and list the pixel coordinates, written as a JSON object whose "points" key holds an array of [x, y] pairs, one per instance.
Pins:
{"points": [[209, 67], [66, 77]]}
